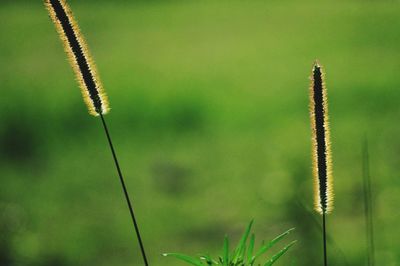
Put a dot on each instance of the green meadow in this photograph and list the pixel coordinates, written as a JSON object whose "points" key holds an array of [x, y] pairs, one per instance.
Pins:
{"points": [[209, 118]]}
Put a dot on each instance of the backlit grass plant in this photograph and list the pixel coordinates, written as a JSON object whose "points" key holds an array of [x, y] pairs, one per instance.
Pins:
{"points": [[92, 90], [321, 149], [245, 253]]}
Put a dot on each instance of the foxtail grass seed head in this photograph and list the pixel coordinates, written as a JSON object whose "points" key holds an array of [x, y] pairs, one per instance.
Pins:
{"points": [[79, 57], [321, 146]]}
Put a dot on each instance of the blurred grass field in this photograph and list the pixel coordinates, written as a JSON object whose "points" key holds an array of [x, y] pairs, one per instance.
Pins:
{"points": [[210, 121]]}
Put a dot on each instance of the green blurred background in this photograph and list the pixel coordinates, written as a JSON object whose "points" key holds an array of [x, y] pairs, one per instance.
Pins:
{"points": [[210, 121]]}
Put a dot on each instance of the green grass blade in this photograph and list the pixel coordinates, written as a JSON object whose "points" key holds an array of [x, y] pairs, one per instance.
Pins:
{"points": [[261, 251], [279, 254], [208, 260], [225, 252], [250, 250], [266, 247], [188, 259], [280, 237], [239, 251]]}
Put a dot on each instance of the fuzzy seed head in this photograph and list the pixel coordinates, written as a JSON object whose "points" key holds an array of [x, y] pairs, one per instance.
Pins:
{"points": [[79, 56], [321, 145]]}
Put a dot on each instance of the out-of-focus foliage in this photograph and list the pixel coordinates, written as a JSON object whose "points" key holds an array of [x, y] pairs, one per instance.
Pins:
{"points": [[210, 121]]}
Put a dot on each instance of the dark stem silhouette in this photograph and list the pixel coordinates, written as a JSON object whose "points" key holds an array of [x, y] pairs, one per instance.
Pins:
{"points": [[324, 238], [128, 201]]}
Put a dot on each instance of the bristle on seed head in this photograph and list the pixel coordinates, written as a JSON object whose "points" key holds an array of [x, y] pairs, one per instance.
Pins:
{"points": [[79, 57], [321, 146]]}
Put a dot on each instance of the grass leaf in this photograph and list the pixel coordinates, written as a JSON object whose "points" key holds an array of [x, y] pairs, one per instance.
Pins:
{"points": [[250, 250], [208, 260], [264, 248], [225, 251], [191, 260], [280, 237], [240, 249], [279, 254]]}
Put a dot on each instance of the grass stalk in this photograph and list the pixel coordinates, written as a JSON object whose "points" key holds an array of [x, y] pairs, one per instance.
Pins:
{"points": [[89, 82], [369, 223], [322, 160], [310, 218], [125, 190], [324, 238]]}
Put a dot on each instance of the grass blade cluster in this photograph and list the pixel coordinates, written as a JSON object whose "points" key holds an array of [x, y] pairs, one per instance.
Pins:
{"points": [[243, 255]]}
